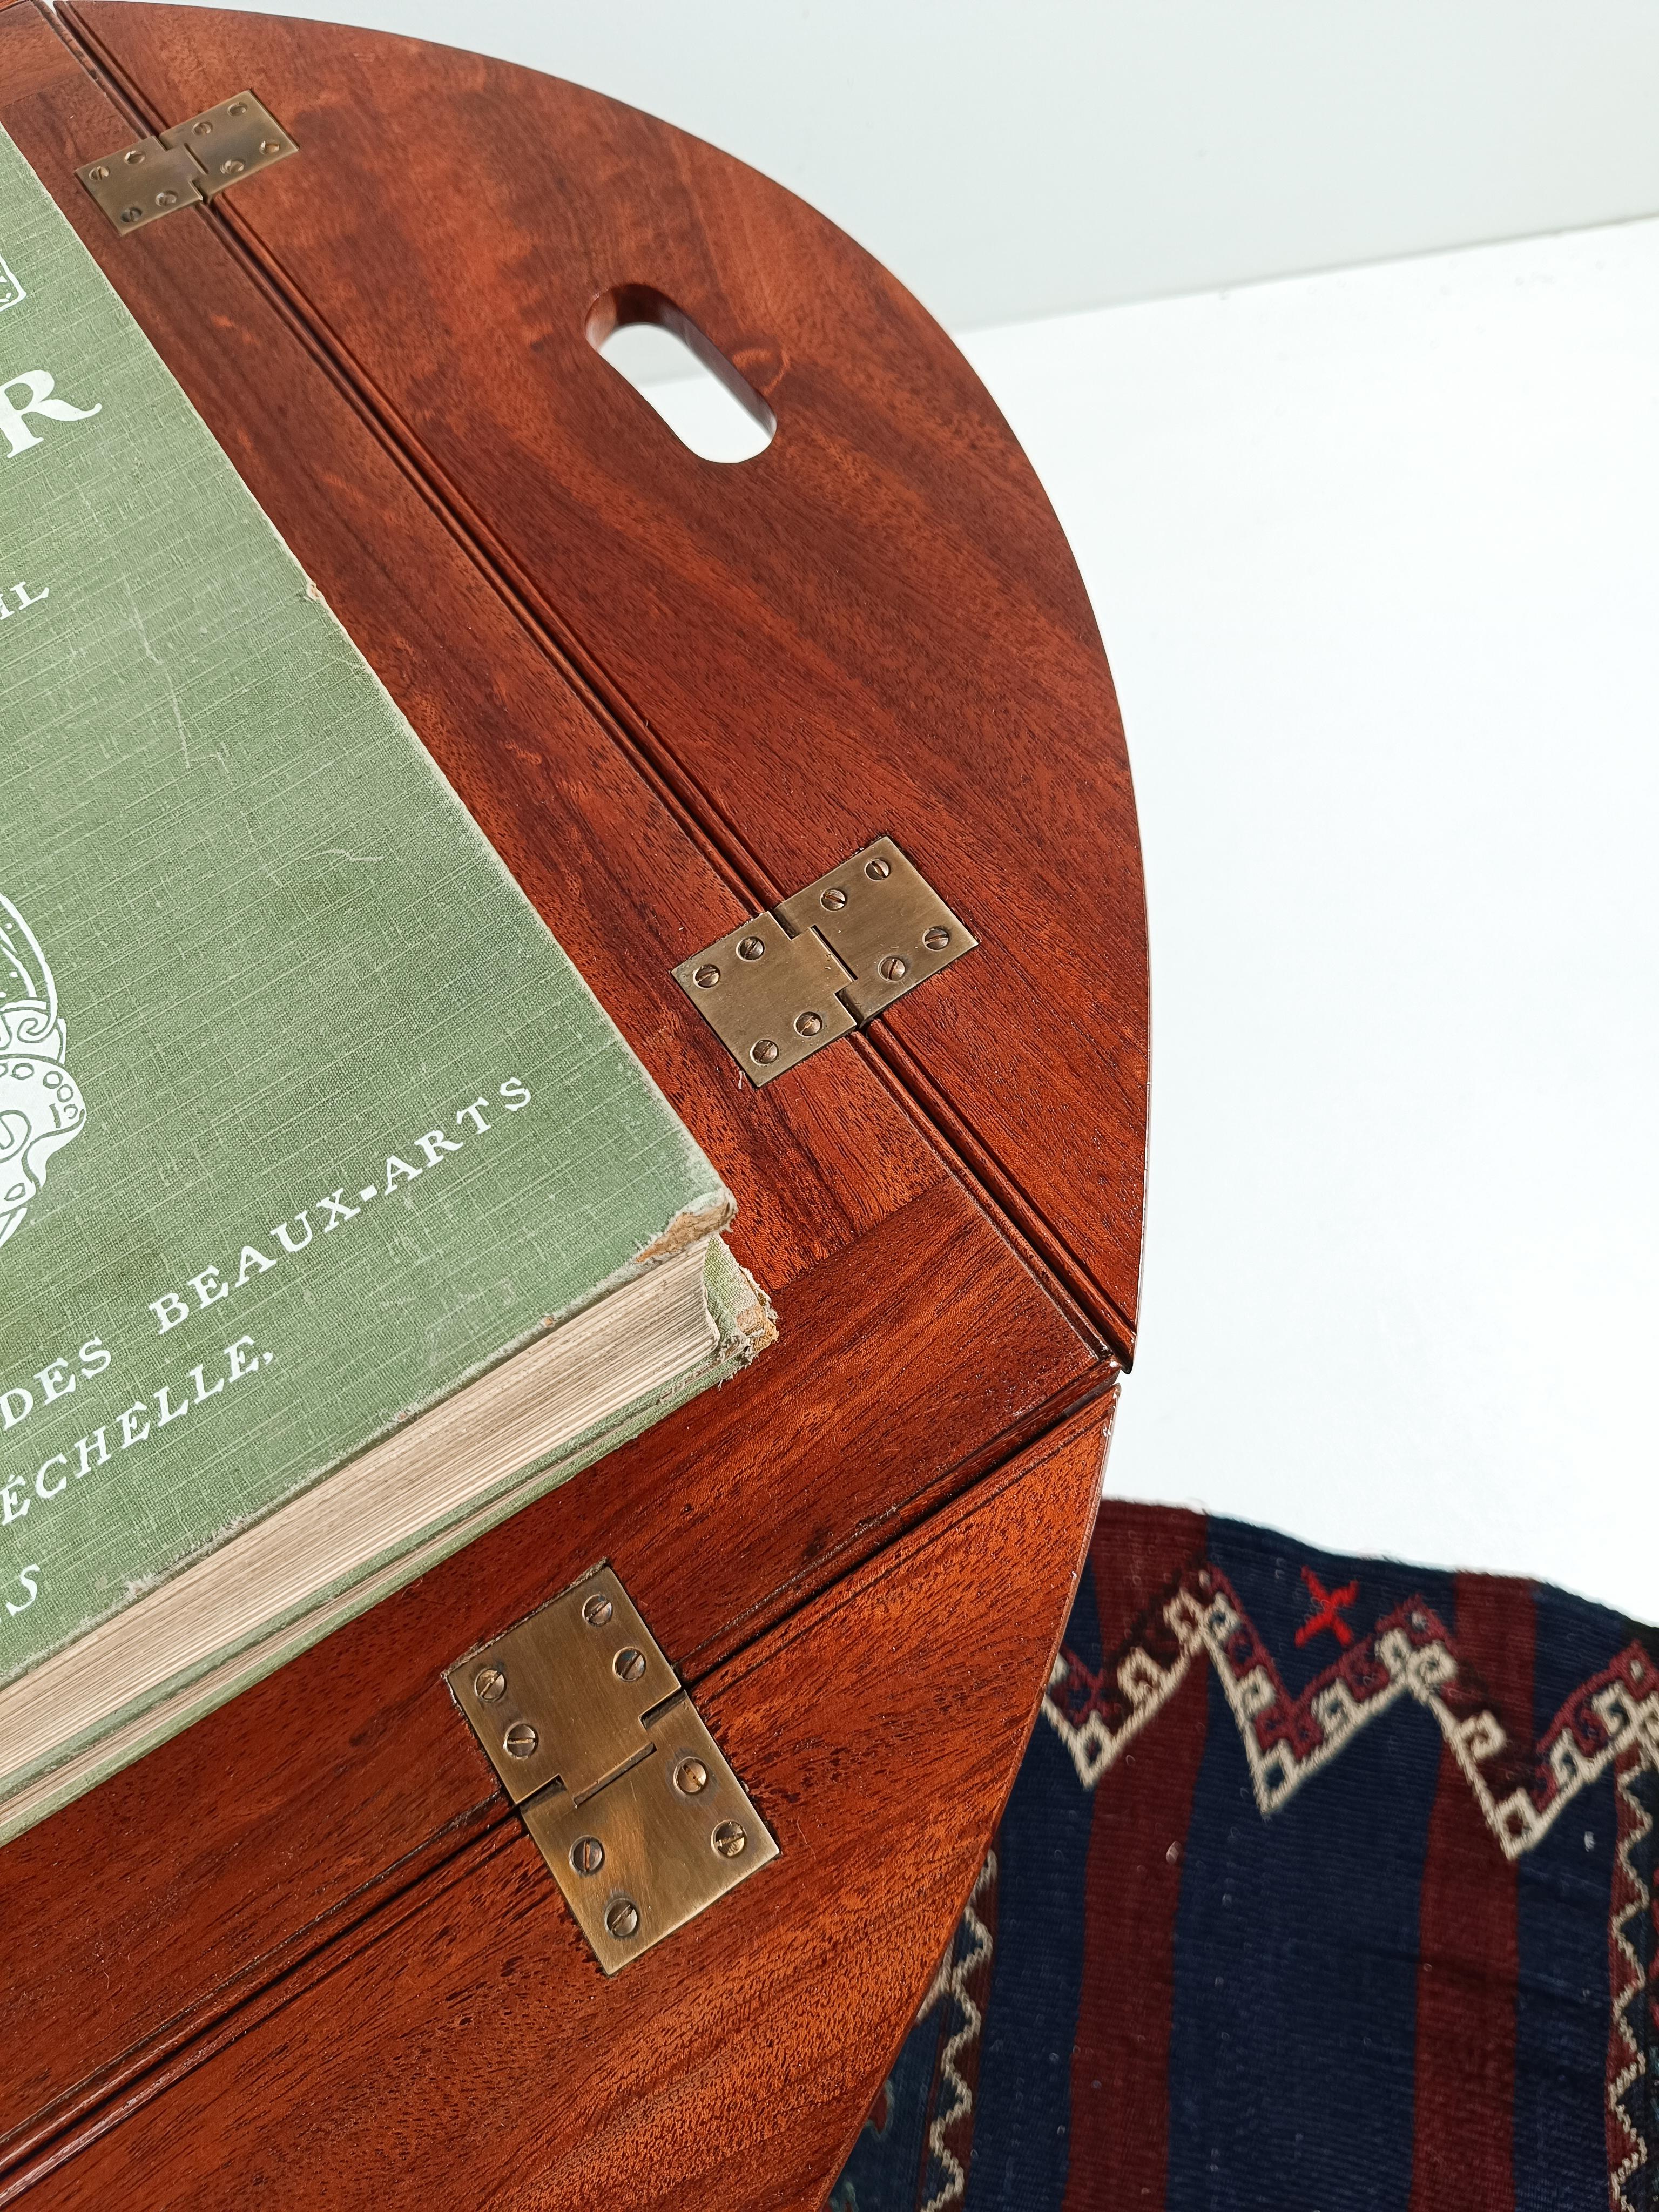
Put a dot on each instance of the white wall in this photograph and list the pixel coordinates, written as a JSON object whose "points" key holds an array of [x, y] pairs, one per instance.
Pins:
{"points": [[1376, 560], [1011, 158]]}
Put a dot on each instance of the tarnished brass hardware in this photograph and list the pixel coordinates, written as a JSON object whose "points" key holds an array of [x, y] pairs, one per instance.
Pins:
{"points": [[771, 1007], [187, 164], [659, 1857], [629, 1799], [780, 987]]}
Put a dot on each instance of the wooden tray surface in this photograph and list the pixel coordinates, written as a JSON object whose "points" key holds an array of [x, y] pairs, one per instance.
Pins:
{"points": [[306, 1948]]}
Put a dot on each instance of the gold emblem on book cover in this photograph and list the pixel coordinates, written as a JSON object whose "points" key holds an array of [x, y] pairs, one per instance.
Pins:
{"points": [[41, 1108]]}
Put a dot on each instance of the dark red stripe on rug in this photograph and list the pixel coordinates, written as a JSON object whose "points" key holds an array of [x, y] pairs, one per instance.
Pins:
{"points": [[1463, 2153], [1119, 2058]]}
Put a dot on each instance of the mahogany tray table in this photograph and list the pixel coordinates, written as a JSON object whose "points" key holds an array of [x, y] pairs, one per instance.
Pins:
{"points": [[308, 1953]]}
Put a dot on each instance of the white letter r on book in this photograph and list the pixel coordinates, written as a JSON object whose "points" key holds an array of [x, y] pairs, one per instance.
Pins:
{"points": [[38, 384]]}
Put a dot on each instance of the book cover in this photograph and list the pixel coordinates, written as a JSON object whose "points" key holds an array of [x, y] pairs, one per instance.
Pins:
{"points": [[305, 1118]]}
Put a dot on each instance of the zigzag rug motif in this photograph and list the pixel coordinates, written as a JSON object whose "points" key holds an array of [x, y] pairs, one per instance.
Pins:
{"points": [[1409, 1653], [1612, 1719], [962, 1981], [959, 1992], [1633, 1946]]}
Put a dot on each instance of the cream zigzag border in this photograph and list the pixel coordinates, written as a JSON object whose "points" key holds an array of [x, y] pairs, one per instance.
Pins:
{"points": [[1630, 1980], [949, 1984], [1417, 1663]]}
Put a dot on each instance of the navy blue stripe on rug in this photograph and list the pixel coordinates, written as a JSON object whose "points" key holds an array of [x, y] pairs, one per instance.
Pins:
{"points": [[1292, 2045]]}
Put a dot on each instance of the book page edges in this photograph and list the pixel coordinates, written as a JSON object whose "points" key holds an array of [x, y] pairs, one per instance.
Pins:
{"points": [[727, 1320]]}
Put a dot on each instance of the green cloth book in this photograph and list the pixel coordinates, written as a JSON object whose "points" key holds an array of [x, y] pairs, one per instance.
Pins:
{"points": [[336, 1220]]}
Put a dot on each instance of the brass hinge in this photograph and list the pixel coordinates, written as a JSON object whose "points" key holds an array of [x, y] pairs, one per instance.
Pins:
{"points": [[188, 164], [824, 962], [627, 1794]]}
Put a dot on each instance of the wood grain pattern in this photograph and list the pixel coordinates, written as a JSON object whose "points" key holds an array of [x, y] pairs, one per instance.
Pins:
{"points": [[876, 625], [284, 1953], [395, 2072], [717, 1520]]}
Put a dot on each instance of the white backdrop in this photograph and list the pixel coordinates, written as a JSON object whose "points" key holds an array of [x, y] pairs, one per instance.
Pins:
{"points": [[1009, 158], [1376, 559]]}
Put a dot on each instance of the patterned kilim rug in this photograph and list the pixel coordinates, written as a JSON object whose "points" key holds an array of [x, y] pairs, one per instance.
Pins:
{"points": [[1327, 1886]]}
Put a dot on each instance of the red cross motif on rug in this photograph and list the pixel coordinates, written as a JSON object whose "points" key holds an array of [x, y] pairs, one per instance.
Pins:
{"points": [[1328, 1611]]}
